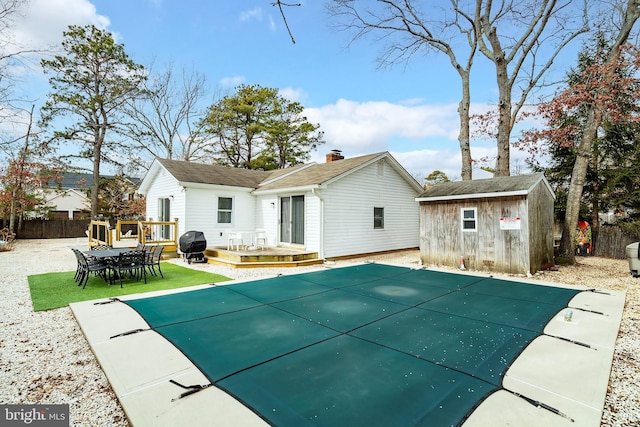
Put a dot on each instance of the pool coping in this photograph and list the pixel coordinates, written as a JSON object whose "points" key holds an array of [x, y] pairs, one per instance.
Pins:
{"points": [[563, 375]]}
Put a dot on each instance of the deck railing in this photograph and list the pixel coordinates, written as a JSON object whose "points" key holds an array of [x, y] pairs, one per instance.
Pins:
{"points": [[165, 233]]}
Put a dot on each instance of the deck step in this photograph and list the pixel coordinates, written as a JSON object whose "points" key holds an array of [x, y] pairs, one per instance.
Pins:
{"points": [[272, 255], [262, 264]]}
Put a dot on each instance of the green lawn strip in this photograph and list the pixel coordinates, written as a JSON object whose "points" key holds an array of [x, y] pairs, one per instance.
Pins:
{"points": [[55, 290]]}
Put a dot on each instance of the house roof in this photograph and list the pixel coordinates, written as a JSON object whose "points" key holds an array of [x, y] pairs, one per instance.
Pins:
{"points": [[310, 174], [199, 173], [492, 187], [318, 174]]}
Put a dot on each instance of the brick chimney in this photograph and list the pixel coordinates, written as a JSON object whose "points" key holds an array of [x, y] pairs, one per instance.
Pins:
{"points": [[334, 155]]}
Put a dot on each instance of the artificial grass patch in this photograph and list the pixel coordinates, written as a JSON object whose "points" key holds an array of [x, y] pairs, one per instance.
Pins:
{"points": [[55, 290]]}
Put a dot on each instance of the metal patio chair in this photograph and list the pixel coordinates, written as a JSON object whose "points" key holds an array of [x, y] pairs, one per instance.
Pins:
{"points": [[87, 266], [129, 263], [152, 259]]}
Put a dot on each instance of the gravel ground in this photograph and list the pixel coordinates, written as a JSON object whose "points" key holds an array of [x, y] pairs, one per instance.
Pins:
{"points": [[45, 359]]}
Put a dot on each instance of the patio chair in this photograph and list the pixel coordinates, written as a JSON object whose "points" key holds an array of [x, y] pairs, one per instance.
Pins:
{"points": [[152, 259], [80, 267], [129, 263], [234, 237], [260, 239], [88, 266]]}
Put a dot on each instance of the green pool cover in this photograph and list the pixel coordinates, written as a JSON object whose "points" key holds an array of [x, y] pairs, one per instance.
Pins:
{"points": [[373, 344]]}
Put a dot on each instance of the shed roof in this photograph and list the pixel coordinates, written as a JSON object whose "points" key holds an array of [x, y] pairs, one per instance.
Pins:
{"points": [[491, 187]]}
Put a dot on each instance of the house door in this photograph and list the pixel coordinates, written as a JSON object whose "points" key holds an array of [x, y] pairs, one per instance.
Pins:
{"points": [[164, 214], [292, 220]]}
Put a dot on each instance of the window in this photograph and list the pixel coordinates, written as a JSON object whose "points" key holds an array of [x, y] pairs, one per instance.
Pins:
{"points": [[469, 219], [378, 217], [225, 208]]}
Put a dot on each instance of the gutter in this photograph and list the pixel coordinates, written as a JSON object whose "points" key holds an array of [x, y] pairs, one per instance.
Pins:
{"points": [[316, 192]]}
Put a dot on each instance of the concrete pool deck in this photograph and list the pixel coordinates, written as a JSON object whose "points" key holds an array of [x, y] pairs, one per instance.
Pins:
{"points": [[566, 370]]}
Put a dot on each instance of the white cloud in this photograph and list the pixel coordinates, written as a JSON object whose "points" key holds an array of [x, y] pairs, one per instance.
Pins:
{"points": [[370, 125], [232, 81], [423, 138], [44, 21], [293, 94], [256, 14], [250, 15]]}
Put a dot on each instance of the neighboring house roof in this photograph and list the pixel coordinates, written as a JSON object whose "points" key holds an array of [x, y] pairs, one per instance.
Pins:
{"points": [[492, 187], [81, 181], [307, 175]]}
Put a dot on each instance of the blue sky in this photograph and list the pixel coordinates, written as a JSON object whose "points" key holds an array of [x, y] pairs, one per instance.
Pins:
{"points": [[409, 110]]}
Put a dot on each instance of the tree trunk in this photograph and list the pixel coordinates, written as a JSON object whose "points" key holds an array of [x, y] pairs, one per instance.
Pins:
{"points": [[595, 206], [463, 137], [503, 159], [578, 175], [96, 180]]}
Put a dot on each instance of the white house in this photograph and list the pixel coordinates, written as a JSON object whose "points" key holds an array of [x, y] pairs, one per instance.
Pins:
{"points": [[339, 208], [66, 203]]}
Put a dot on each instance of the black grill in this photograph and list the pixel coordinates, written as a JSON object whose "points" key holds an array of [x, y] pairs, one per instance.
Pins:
{"points": [[192, 245]]}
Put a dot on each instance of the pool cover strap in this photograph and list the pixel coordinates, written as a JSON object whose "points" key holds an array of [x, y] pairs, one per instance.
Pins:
{"points": [[542, 405], [191, 389]]}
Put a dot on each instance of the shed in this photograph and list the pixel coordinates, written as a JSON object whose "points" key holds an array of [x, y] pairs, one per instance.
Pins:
{"points": [[499, 224]]}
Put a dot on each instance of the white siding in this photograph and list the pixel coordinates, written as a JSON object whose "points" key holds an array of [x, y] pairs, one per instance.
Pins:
{"points": [[165, 185], [202, 208], [267, 217], [348, 213], [313, 222]]}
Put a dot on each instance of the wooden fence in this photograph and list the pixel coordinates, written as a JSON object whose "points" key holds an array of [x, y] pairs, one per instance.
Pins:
{"points": [[611, 242], [50, 228]]}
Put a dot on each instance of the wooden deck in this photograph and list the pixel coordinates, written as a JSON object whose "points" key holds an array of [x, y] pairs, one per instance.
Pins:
{"points": [[258, 258]]}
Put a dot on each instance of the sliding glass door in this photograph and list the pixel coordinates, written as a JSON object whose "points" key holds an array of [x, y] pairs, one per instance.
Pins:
{"points": [[292, 220]]}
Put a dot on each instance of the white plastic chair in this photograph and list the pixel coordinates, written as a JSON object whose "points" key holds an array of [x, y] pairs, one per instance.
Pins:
{"points": [[260, 239], [234, 237]]}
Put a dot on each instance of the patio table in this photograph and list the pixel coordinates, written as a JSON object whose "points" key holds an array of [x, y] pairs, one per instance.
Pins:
{"points": [[107, 253], [110, 257]]}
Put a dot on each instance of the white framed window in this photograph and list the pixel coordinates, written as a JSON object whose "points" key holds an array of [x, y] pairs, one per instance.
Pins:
{"points": [[469, 219], [378, 218], [225, 210]]}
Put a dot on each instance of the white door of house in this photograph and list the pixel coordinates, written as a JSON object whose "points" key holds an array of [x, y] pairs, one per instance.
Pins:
{"points": [[292, 220], [164, 214]]}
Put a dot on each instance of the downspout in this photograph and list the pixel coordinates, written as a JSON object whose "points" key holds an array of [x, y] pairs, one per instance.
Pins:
{"points": [[316, 193]]}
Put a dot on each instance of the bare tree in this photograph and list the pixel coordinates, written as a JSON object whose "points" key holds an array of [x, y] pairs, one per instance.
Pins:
{"points": [[12, 56], [406, 30], [166, 119], [523, 39]]}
